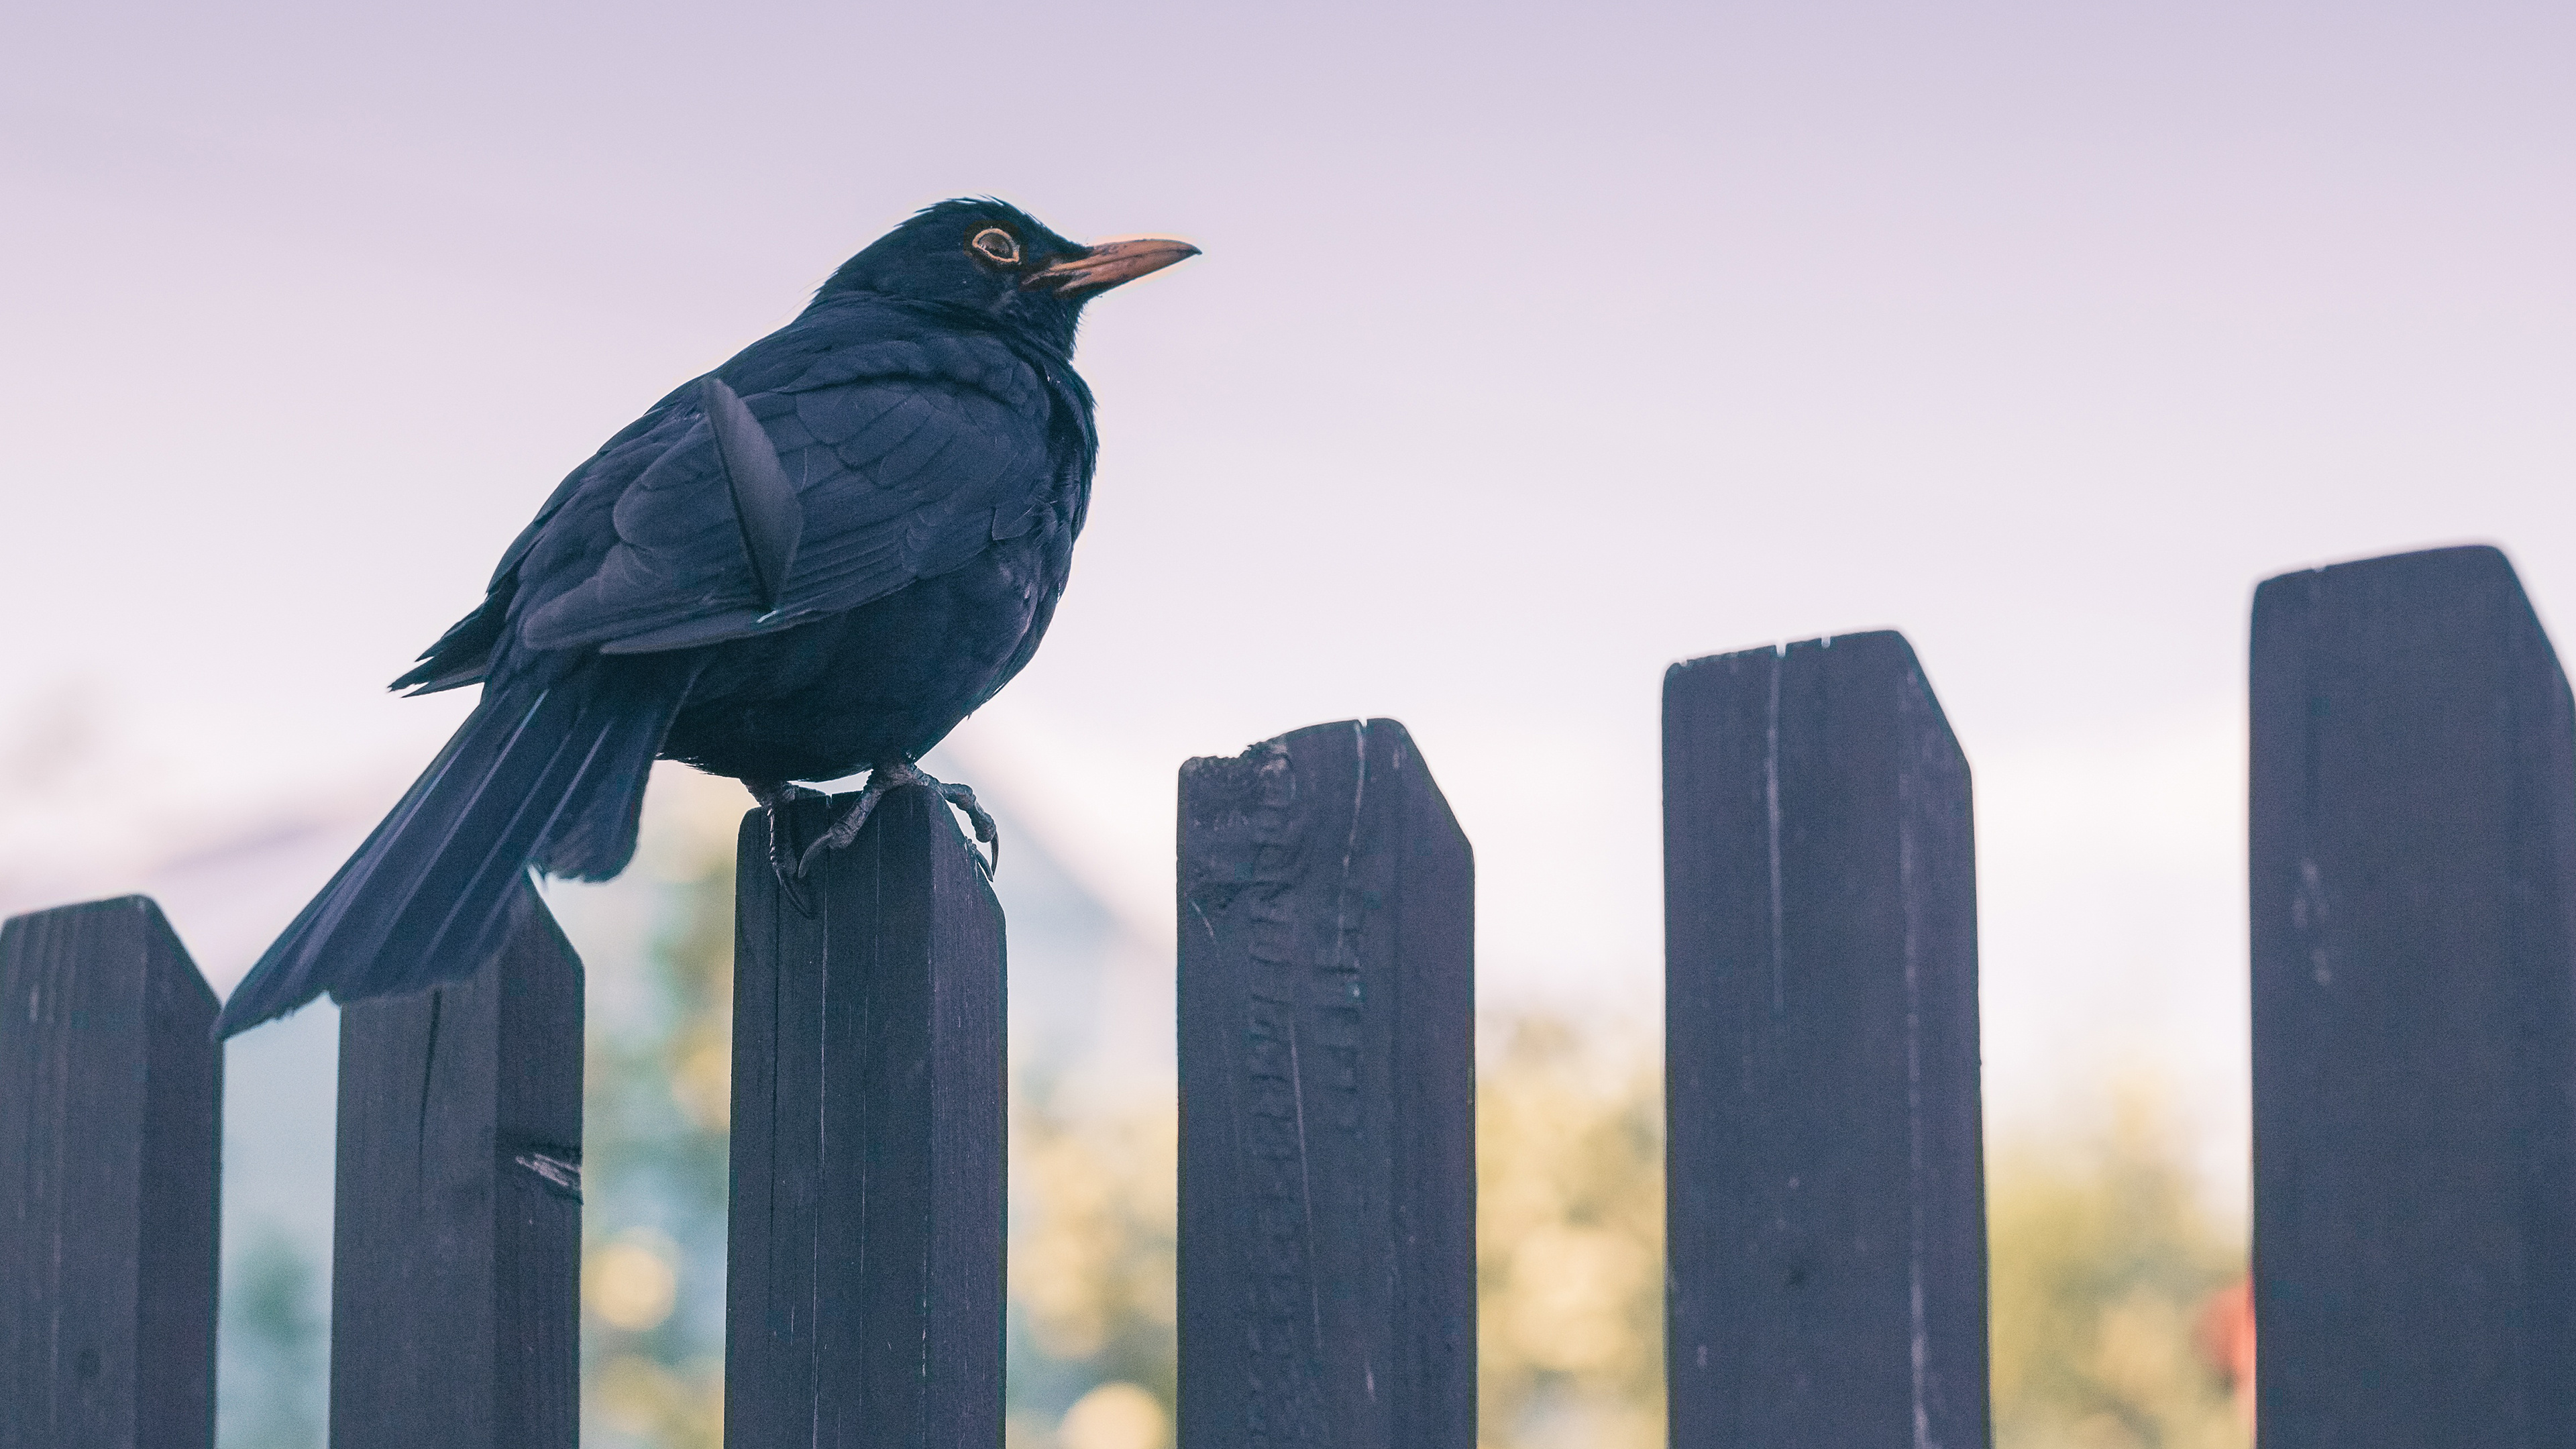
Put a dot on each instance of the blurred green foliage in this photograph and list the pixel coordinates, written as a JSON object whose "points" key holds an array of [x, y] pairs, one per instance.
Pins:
{"points": [[657, 1097], [276, 1348], [1093, 1355], [1570, 1239], [2105, 1258]]}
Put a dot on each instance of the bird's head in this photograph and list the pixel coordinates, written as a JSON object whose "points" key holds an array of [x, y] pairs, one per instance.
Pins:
{"points": [[992, 258]]}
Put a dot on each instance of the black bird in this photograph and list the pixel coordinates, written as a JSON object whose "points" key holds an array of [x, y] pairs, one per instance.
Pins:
{"points": [[814, 560]]}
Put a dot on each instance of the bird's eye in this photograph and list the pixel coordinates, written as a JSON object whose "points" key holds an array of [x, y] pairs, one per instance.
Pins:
{"points": [[998, 245]]}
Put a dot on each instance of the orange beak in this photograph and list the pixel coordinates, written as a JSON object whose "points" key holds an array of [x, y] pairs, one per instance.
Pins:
{"points": [[1099, 268]]}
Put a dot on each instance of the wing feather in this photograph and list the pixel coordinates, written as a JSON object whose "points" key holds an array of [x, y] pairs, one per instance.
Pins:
{"points": [[907, 459]]}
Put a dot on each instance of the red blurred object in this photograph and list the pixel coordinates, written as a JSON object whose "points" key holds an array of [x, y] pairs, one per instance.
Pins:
{"points": [[2226, 1335]]}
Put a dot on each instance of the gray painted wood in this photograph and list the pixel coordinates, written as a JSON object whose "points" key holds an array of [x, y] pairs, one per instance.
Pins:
{"points": [[456, 1240], [1825, 1213], [111, 1120], [2413, 831], [1328, 1171], [864, 1288]]}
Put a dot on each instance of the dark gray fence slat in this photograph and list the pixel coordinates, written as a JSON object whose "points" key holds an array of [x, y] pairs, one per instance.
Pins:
{"points": [[2413, 831], [1328, 1170], [864, 1296], [111, 1120], [456, 1240], [1825, 1215]]}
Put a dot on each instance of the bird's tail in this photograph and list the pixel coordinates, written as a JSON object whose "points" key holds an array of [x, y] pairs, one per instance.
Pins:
{"points": [[551, 777]]}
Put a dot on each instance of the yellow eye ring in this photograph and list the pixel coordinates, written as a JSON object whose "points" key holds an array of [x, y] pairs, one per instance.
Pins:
{"points": [[997, 245]]}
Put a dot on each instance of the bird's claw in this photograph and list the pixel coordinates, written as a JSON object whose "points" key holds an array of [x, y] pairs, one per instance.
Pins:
{"points": [[892, 776], [846, 829], [783, 860], [988, 859]]}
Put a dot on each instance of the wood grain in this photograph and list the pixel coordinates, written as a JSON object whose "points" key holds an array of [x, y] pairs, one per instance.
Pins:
{"points": [[1825, 1209], [111, 1121], [2413, 832], [864, 1289], [456, 1237], [1328, 1171]]}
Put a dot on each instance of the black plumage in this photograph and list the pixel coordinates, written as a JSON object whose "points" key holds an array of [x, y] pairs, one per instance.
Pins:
{"points": [[815, 560]]}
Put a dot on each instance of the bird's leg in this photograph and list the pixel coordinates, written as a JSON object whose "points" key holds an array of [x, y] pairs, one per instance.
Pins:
{"points": [[893, 775], [883, 778], [774, 796]]}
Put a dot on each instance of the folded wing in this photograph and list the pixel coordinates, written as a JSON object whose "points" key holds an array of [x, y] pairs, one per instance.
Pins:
{"points": [[905, 459]]}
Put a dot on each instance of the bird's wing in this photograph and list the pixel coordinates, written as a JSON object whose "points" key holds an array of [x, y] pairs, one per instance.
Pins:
{"points": [[463, 654], [907, 458]]}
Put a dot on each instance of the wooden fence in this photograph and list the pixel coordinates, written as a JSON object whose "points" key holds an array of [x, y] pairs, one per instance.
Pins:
{"points": [[2414, 958]]}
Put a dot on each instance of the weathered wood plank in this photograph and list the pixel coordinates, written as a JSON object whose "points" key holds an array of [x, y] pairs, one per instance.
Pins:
{"points": [[864, 1288], [456, 1240], [111, 1120], [2413, 833], [1825, 1201], [1328, 1171]]}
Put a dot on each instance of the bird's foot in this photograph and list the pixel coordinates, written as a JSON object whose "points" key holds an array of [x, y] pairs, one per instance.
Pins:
{"points": [[893, 775], [774, 796]]}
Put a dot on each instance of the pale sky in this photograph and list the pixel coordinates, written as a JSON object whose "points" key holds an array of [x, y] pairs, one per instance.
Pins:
{"points": [[1533, 348]]}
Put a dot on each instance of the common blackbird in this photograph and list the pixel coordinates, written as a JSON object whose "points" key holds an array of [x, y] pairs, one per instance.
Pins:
{"points": [[814, 560]]}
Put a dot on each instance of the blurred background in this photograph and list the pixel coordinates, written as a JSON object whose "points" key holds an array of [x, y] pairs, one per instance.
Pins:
{"points": [[1534, 347]]}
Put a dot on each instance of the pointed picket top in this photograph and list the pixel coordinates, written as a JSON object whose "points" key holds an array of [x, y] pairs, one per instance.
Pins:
{"points": [[111, 1123], [1825, 1203]]}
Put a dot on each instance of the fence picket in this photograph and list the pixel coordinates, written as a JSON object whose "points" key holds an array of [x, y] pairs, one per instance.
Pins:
{"points": [[864, 1288], [111, 1119], [1327, 998], [456, 1231], [2413, 894], [1825, 1205], [2413, 837]]}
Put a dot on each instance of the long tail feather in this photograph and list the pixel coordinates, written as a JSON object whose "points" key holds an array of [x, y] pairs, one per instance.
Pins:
{"points": [[549, 777]]}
